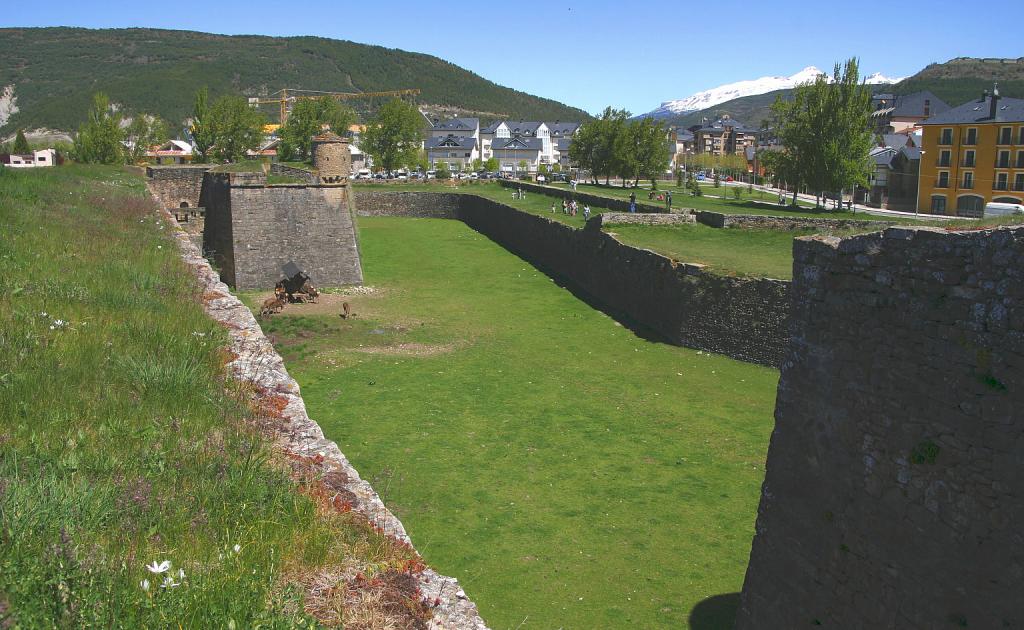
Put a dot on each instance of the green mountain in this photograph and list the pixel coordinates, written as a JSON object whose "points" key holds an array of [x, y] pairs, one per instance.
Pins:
{"points": [[964, 78], [55, 71], [956, 82]]}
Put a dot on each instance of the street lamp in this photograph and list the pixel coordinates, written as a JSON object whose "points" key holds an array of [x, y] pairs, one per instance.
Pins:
{"points": [[917, 201]]}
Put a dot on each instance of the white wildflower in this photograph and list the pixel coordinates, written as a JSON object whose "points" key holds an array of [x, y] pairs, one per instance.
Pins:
{"points": [[159, 568], [144, 584], [159, 246], [237, 548], [181, 574], [169, 582]]}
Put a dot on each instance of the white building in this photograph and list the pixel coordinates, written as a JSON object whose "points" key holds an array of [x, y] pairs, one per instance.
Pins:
{"points": [[458, 152], [511, 151], [42, 157]]}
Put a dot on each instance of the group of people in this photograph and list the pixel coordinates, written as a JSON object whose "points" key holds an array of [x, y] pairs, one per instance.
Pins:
{"points": [[571, 208]]}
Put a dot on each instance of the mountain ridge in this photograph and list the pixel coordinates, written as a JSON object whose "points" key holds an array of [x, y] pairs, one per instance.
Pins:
{"points": [[750, 87], [48, 75]]}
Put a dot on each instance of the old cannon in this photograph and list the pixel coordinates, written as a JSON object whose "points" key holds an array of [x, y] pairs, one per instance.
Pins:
{"points": [[296, 285]]}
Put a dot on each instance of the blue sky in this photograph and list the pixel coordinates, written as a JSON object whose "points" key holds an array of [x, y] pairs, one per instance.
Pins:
{"points": [[591, 54]]}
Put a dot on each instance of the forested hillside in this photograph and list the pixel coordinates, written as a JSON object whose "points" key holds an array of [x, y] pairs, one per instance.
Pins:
{"points": [[54, 72]]}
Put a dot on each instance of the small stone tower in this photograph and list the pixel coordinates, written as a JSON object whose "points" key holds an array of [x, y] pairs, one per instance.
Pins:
{"points": [[332, 158]]}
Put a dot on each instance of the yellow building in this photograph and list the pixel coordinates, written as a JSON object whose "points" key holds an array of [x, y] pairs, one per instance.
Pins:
{"points": [[971, 155]]}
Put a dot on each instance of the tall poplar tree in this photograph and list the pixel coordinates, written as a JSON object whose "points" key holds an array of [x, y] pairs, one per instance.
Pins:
{"points": [[825, 132]]}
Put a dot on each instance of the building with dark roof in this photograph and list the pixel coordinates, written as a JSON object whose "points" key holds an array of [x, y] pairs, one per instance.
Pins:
{"points": [[458, 152], [899, 113], [971, 155]]}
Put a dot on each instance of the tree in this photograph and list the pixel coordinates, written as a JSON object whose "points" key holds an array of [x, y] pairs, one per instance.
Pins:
{"points": [[441, 171], [143, 132], [393, 135], [825, 132], [542, 169], [491, 165], [642, 151], [201, 126], [718, 180], [523, 166], [595, 146], [236, 128], [21, 146], [477, 164], [99, 139], [308, 119]]}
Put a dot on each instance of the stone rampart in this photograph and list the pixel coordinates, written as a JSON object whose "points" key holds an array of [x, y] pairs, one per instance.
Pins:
{"points": [[638, 218], [253, 230], [177, 186], [892, 497], [763, 222], [408, 204], [597, 201], [307, 176], [743, 318]]}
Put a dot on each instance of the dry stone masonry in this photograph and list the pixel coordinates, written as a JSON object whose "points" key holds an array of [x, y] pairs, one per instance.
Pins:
{"points": [[641, 218], [893, 494], [257, 363]]}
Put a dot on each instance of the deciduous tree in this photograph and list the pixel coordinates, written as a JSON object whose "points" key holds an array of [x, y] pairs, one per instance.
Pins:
{"points": [[201, 126], [825, 132], [393, 135], [236, 128], [143, 132], [307, 119], [99, 139]]}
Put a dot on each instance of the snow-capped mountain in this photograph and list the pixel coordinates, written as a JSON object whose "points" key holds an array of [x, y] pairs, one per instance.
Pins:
{"points": [[729, 91]]}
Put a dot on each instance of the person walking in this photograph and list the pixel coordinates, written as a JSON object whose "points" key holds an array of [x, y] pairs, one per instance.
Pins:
{"points": [[586, 213], [632, 202], [668, 201]]}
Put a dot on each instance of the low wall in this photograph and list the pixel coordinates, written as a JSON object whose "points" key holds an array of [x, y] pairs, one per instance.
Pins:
{"points": [[306, 176], [617, 205], [756, 221], [638, 218], [892, 497], [744, 318]]}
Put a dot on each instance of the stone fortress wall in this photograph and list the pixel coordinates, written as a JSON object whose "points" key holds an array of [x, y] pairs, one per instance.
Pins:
{"points": [[251, 230], [178, 184], [894, 485], [744, 318]]}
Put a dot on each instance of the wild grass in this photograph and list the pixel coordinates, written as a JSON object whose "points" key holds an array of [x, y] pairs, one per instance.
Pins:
{"points": [[122, 444], [570, 473]]}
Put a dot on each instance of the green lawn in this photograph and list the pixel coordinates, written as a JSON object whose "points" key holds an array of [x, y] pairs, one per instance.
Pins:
{"points": [[123, 445], [570, 473], [763, 253]]}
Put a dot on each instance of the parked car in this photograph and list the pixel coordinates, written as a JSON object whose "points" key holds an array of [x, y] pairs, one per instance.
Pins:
{"points": [[541, 179], [1000, 209]]}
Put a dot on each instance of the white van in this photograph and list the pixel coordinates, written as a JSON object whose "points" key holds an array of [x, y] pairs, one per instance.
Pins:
{"points": [[999, 209], [363, 173]]}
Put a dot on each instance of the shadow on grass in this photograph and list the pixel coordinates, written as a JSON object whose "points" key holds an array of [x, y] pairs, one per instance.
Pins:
{"points": [[717, 612], [637, 328]]}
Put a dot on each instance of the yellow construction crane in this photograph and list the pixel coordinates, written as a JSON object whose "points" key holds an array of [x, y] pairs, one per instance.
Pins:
{"points": [[286, 98]]}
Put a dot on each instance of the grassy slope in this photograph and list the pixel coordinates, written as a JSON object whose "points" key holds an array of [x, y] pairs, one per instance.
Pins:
{"points": [[119, 442], [569, 472], [56, 70]]}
